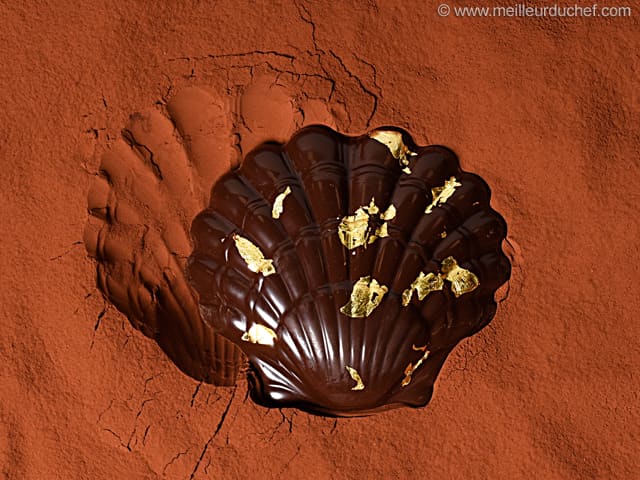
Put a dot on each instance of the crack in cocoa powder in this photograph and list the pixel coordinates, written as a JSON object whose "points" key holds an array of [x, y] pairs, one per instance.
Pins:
{"points": [[306, 17], [235, 55], [373, 96], [195, 393], [135, 423], [283, 419], [298, 68], [132, 439], [69, 250], [333, 427], [215, 433], [286, 465], [173, 459], [143, 151], [144, 436], [101, 315]]}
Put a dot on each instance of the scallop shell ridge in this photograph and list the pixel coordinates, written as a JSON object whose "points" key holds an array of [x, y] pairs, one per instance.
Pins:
{"points": [[397, 348]]}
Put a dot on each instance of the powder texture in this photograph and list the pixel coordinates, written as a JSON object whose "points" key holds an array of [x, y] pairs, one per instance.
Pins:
{"points": [[544, 109]]}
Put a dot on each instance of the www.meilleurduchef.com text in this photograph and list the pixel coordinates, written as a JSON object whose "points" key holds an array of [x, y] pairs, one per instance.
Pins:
{"points": [[525, 10]]}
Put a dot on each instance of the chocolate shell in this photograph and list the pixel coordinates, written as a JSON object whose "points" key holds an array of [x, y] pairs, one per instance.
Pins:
{"points": [[347, 268]]}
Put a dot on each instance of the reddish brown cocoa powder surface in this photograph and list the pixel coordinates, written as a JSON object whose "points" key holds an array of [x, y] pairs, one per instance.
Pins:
{"points": [[546, 110]]}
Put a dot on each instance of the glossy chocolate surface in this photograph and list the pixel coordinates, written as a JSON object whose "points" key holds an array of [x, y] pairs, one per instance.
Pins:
{"points": [[331, 176]]}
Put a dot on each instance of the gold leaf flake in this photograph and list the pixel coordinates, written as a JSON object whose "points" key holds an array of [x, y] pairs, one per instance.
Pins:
{"points": [[389, 214], [372, 209], [278, 204], [365, 297], [356, 377], [356, 230], [442, 194], [423, 286], [253, 256], [353, 229], [261, 335], [393, 141], [443, 234], [382, 231], [462, 280], [408, 372]]}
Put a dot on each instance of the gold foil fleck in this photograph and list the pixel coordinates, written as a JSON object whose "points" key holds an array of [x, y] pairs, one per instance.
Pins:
{"points": [[443, 234], [365, 297], [442, 194], [356, 231], [278, 204], [356, 377], [260, 335], [372, 209], [423, 285], [462, 280], [389, 213], [408, 372], [393, 141], [253, 256], [353, 229], [382, 231]]}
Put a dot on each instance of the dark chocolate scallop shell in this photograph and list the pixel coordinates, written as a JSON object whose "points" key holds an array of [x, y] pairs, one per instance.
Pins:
{"points": [[347, 268]]}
